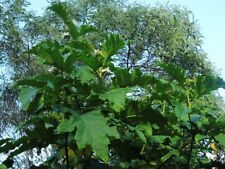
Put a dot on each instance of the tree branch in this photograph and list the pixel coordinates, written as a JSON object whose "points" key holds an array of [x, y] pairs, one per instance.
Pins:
{"points": [[128, 55]]}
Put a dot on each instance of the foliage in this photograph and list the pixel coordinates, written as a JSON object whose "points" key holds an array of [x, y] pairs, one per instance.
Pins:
{"points": [[162, 33], [152, 34], [94, 114]]}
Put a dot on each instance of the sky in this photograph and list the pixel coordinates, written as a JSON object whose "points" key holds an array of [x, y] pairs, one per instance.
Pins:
{"points": [[209, 16]]}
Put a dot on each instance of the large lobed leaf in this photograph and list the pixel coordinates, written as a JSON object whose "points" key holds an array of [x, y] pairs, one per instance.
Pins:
{"points": [[111, 46], [61, 10], [92, 129], [181, 111], [116, 98]]}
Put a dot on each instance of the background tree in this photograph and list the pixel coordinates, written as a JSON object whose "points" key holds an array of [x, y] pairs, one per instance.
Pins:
{"points": [[162, 33]]}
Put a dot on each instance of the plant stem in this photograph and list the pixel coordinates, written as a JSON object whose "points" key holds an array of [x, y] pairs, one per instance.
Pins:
{"points": [[190, 151], [78, 104], [66, 152]]}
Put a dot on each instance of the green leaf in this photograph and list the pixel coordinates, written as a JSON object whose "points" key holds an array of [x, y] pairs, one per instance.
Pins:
{"points": [[116, 98], [158, 138], [31, 82], [141, 135], [146, 128], [26, 96], [206, 84], [61, 11], [67, 125], [112, 45], [69, 62], [199, 137], [2, 166], [169, 155], [95, 62], [85, 74], [49, 53], [175, 72], [181, 112], [84, 29], [221, 139], [92, 129]]}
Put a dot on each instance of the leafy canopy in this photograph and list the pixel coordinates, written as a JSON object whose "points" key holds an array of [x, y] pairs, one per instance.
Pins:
{"points": [[93, 113]]}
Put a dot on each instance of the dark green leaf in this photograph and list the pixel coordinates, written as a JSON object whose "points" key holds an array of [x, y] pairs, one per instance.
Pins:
{"points": [[206, 84]]}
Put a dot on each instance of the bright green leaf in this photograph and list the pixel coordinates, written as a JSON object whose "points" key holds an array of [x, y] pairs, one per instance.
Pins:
{"points": [[146, 128], [2, 166], [116, 98], [181, 112], [92, 129], [199, 137], [158, 138], [67, 125], [168, 155], [141, 135], [111, 46], [221, 139], [26, 96], [85, 74]]}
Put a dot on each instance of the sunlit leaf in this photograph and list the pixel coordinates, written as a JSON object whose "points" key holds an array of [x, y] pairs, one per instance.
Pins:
{"points": [[92, 129], [2, 166], [116, 98], [112, 45], [85, 74], [181, 112], [220, 138], [27, 95], [67, 125]]}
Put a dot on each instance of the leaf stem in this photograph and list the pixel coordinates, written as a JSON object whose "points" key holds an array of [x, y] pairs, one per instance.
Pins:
{"points": [[188, 100]]}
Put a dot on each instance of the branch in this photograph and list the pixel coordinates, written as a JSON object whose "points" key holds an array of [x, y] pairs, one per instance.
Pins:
{"points": [[128, 55]]}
